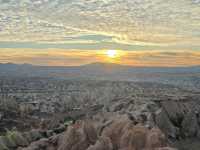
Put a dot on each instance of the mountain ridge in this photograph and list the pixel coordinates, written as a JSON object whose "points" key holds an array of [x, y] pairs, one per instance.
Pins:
{"points": [[100, 64], [188, 77]]}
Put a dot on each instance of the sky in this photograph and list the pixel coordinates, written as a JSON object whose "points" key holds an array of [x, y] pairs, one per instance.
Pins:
{"points": [[76, 32]]}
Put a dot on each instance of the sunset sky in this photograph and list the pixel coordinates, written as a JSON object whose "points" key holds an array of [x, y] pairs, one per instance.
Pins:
{"points": [[76, 32]]}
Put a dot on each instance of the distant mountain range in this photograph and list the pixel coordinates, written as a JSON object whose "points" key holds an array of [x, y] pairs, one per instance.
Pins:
{"points": [[187, 76], [93, 69]]}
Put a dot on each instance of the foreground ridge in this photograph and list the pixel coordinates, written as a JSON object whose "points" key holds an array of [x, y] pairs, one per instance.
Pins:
{"points": [[121, 133]]}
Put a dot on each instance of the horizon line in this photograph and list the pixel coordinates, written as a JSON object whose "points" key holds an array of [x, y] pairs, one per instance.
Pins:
{"points": [[102, 63]]}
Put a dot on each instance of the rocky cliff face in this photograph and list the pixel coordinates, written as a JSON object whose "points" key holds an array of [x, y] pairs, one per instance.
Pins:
{"points": [[127, 124], [133, 124], [120, 134], [179, 119]]}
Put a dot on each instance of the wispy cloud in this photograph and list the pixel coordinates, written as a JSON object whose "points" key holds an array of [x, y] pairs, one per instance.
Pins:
{"points": [[36, 29], [145, 21]]}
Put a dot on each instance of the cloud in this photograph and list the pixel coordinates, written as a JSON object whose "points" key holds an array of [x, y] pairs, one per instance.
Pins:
{"points": [[72, 32], [145, 21], [61, 57], [196, 1]]}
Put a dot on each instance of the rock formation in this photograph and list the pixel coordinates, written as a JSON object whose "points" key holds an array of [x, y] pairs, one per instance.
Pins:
{"points": [[120, 134]]}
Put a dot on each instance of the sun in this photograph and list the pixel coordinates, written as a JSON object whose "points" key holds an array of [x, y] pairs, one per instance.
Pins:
{"points": [[111, 53]]}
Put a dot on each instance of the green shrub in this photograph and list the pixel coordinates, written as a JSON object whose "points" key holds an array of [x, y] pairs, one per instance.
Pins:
{"points": [[2, 144], [17, 138]]}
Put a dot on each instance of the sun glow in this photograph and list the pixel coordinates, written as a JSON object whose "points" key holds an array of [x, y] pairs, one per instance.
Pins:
{"points": [[111, 53]]}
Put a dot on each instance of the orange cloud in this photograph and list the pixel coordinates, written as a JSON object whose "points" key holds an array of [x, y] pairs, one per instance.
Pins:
{"points": [[58, 57]]}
